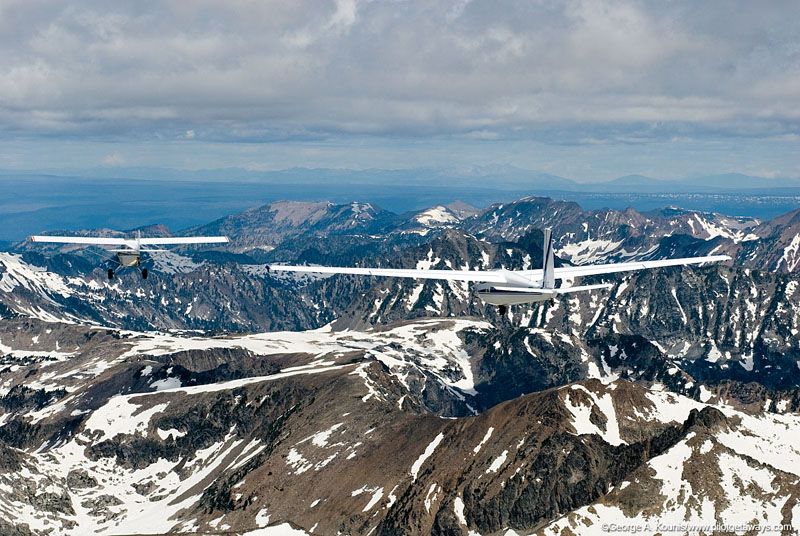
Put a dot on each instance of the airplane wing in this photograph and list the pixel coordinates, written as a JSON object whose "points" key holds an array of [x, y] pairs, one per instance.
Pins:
{"points": [[513, 287], [171, 241], [130, 242], [452, 275], [595, 269], [87, 240], [527, 277]]}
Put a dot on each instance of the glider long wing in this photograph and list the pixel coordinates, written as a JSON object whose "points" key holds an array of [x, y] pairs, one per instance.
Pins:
{"points": [[530, 277], [596, 269], [171, 241], [452, 275]]}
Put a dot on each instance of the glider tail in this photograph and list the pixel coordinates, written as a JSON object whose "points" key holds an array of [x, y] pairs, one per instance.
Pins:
{"points": [[548, 273]]}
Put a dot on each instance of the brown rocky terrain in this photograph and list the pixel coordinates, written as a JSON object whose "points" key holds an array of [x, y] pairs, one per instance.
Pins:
{"points": [[325, 431]]}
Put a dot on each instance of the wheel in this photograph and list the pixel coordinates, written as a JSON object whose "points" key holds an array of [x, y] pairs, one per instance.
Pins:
{"points": [[144, 273], [502, 309], [110, 273]]}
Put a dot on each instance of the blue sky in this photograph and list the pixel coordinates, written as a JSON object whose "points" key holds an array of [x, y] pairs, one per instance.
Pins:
{"points": [[584, 89]]}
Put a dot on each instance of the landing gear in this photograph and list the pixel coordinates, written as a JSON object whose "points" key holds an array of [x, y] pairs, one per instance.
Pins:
{"points": [[144, 273], [502, 310], [110, 273]]}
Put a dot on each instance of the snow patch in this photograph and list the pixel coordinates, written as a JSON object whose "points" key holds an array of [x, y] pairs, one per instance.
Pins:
{"points": [[581, 415], [167, 383], [376, 496], [437, 215], [458, 509], [425, 455], [498, 462], [484, 440]]}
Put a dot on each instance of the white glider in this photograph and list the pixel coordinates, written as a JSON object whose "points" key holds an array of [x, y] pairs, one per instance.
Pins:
{"points": [[129, 251], [513, 287]]}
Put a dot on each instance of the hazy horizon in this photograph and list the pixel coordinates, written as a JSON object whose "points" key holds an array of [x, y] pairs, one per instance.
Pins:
{"points": [[490, 169], [34, 204]]}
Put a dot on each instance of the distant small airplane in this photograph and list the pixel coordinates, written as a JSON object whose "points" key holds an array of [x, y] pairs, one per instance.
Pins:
{"points": [[513, 287], [130, 252]]}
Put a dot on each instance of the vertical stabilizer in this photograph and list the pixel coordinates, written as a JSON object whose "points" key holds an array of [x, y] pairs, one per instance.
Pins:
{"points": [[548, 275]]}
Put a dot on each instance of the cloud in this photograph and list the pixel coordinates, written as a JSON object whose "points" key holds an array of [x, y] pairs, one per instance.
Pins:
{"points": [[513, 69], [113, 160]]}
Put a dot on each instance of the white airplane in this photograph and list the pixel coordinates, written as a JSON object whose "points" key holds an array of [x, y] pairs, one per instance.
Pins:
{"points": [[513, 287], [130, 250]]}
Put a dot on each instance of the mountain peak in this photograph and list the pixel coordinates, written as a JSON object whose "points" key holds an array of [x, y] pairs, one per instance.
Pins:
{"points": [[156, 230], [463, 210]]}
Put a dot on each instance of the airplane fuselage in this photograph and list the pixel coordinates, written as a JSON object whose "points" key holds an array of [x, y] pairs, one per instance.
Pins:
{"points": [[128, 258], [495, 294]]}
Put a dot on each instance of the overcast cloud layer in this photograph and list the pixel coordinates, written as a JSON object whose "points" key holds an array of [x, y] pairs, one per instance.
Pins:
{"points": [[313, 76]]}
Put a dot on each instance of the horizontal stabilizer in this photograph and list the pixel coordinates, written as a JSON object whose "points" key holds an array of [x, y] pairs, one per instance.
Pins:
{"points": [[547, 291], [513, 295], [140, 250]]}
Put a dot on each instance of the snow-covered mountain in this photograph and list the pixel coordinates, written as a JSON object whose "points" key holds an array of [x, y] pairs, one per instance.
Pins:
{"points": [[289, 230], [268, 225], [216, 397], [329, 432], [618, 235], [614, 235], [720, 323]]}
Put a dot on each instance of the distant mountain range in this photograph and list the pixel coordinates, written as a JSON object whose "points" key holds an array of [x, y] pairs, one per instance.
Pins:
{"points": [[501, 176], [134, 197]]}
